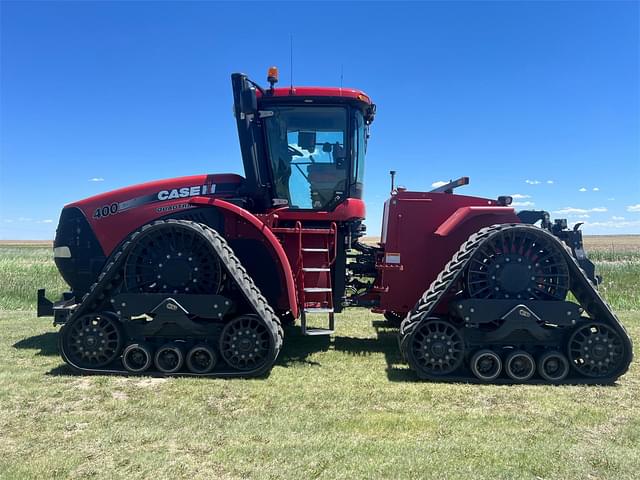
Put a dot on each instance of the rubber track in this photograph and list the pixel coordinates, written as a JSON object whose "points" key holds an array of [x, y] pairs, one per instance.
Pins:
{"points": [[111, 277], [580, 285]]}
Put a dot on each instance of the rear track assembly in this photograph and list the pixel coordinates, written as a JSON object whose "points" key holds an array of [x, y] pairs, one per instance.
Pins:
{"points": [[496, 313]]}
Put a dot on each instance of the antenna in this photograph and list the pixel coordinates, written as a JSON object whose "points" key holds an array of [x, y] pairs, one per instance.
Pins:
{"points": [[341, 76], [291, 60]]}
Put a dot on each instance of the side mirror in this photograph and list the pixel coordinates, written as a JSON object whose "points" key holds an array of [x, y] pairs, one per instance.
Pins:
{"points": [[248, 99]]}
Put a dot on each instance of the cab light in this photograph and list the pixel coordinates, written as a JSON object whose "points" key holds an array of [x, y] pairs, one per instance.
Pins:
{"points": [[272, 76]]}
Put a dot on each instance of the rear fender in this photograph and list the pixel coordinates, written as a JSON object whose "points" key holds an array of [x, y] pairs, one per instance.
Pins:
{"points": [[241, 224], [466, 217]]}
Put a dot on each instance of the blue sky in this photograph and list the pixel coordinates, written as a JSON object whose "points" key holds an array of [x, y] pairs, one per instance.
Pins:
{"points": [[541, 100]]}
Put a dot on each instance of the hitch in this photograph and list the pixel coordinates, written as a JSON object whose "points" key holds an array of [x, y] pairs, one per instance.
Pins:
{"points": [[45, 306]]}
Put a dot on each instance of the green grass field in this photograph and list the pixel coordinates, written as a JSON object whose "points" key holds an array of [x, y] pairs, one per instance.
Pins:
{"points": [[343, 407]]}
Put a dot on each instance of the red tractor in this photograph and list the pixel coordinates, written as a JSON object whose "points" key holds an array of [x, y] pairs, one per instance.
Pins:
{"points": [[196, 275]]}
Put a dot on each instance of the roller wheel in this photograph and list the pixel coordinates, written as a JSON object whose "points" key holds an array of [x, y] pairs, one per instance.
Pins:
{"points": [[172, 258], [553, 366], [169, 358], [596, 350], [137, 357], [437, 347], [518, 263], [92, 340], [520, 366], [201, 359], [486, 365]]}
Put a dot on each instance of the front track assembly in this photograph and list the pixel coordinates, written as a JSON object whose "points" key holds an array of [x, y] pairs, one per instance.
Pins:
{"points": [[173, 299], [497, 313]]}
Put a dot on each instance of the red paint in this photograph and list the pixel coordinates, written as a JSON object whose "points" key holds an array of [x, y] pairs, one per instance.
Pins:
{"points": [[260, 231], [318, 92], [426, 229], [350, 209], [111, 230], [463, 214]]}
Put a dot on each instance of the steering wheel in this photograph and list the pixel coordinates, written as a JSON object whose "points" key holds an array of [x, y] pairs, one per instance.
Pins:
{"points": [[295, 151]]}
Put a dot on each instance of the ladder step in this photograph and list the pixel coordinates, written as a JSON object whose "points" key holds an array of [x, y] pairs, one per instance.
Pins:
{"points": [[318, 310], [318, 331], [311, 231], [316, 269], [317, 289], [315, 249]]}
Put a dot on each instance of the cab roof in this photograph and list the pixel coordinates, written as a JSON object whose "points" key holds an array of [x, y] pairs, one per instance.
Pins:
{"points": [[332, 92]]}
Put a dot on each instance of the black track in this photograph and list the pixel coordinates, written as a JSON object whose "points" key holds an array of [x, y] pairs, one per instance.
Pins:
{"points": [[123, 273], [602, 326]]}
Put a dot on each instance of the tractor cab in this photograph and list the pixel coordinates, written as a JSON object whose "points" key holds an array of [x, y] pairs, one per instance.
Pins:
{"points": [[302, 147]]}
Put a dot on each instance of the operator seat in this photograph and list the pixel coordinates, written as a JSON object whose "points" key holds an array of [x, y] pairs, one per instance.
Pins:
{"points": [[325, 180]]}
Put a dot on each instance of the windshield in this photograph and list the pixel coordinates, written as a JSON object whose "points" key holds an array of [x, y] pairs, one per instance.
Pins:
{"points": [[308, 155]]}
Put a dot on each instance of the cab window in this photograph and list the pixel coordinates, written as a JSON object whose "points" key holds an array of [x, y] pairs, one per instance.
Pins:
{"points": [[308, 155]]}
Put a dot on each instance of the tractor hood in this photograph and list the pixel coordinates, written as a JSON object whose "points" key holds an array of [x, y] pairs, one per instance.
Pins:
{"points": [[107, 218], [157, 193]]}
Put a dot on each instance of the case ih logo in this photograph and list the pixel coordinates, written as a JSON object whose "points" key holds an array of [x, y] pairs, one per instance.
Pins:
{"points": [[186, 192]]}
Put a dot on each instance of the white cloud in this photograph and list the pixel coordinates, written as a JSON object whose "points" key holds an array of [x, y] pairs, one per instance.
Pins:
{"points": [[586, 215], [611, 199], [595, 189], [614, 224], [633, 208], [550, 182], [519, 195], [7, 220], [532, 182], [47, 220], [582, 189], [617, 218], [439, 183], [522, 204], [578, 211], [570, 211], [96, 179], [25, 219]]}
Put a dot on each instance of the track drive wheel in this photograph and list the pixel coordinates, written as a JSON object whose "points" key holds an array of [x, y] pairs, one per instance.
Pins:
{"points": [[518, 263], [172, 258], [92, 340]]}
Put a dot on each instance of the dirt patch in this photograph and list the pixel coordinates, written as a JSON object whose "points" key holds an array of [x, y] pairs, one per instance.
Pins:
{"points": [[119, 395]]}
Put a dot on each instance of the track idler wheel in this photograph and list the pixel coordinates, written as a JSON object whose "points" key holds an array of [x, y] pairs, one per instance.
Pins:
{"points": [[596, 350], [520, 366], [201, 359], [486, 365], [247, 343], [137, 357], [553, 366], [169, 358], [92, 341], [436, 348]]}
